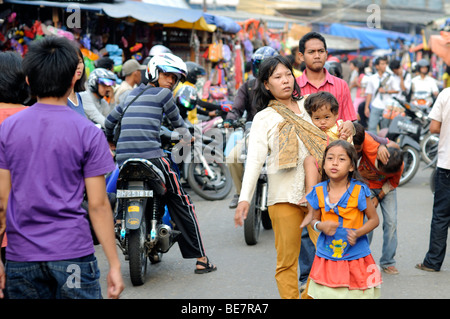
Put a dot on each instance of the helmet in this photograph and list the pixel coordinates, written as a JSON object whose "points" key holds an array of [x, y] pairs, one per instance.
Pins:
{"points": [[102, 76], [334, 68], [261, 54], [186, 98], [194, 70], [423, 63], [167, 63], [158, 50]]}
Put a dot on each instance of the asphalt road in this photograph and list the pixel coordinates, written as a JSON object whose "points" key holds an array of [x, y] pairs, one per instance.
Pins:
{"points": [[247, 272]]}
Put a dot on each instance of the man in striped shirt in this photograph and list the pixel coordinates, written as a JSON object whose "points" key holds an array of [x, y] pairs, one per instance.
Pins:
{"points": [[315, 78], [139, 138]]}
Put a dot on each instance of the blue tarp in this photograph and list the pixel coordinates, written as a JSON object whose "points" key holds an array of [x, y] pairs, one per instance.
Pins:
{"points": [[225, 23], [372, 38]]}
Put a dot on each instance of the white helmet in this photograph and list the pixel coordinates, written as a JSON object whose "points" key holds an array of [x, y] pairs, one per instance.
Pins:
{"points": [[158, 50], [167, 63]]}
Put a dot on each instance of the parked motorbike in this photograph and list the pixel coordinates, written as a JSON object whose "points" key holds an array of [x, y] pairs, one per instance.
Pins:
{"points": [[405, 130], [203, 165], [430, 147], [258, 213]]}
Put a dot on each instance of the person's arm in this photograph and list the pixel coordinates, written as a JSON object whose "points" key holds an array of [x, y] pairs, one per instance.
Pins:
{"points": [[435, 127], [328, 227], [91, 110], [5, 188], [101, 217], [256, 156], [371, 224]]}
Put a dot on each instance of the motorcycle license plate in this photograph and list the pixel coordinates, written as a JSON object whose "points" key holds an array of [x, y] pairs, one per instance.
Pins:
{"points": [[408, 127], [133, 193]]}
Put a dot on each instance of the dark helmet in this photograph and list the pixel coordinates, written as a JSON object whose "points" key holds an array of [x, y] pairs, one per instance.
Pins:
{"points": [[259, 56], [101, 76], [186, 98], [334, 68], [194, 71]]}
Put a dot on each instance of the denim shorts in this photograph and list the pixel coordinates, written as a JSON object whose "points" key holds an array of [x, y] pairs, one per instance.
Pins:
{"points": [[63, 279]]}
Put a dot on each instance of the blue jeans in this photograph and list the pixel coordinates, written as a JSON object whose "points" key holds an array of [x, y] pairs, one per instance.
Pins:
{"points": [[306, 258], [65, 279], [440, 221], [389, 210], [375, 118]]}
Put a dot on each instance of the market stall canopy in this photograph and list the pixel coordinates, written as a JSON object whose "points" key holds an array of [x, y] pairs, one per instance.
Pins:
{"points": [[371, 37], [145, 12], [226, 24]]}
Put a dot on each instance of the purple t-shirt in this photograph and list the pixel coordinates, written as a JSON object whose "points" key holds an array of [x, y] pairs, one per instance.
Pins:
{"points": [[49, 150]]}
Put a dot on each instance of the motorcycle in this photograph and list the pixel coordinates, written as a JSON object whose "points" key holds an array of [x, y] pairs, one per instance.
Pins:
{"points": [[430, 147], [258, 213], [202, 166], [405, 130], [145, 229]]}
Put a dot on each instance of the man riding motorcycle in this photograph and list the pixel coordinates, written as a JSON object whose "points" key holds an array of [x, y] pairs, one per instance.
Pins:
{"points": [[139, 138]]}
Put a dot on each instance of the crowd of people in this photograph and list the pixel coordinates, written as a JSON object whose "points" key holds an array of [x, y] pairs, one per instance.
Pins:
{"points": [[315, 129]]}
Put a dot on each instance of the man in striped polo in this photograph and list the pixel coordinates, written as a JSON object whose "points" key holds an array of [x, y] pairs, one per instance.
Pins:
{"points": [[139, 138]]}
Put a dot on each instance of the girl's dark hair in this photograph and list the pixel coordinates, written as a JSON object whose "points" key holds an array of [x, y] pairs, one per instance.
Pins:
{"points": [[80, 84], [316, 100], [13, 88], [351, 152], [50, 66], [262, 96]]}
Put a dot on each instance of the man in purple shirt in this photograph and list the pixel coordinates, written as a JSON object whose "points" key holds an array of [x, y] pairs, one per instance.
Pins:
{"points": [[48, 156]]}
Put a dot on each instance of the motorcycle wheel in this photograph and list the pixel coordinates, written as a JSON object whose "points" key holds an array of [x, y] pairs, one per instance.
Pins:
{"points": [[265, 219], [411, 160], [207, 188], [137, 253], [252, 224], [430, 148]]}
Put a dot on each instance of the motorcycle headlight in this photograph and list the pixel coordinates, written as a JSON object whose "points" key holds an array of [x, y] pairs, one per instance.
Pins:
{"points": [[419, 115]]}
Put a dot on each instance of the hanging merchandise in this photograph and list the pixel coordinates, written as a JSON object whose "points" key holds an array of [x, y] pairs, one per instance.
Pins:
{"points": [[239, 68], [215, 51]]}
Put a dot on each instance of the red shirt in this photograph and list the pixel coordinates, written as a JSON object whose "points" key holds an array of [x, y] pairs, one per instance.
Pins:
{"points": [[337, 87], [367, 167]]}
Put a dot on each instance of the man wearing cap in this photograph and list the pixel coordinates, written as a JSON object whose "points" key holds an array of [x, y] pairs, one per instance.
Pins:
{"points": [[131, 70]]}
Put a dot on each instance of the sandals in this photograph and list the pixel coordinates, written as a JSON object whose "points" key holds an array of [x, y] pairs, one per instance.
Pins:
{"points": [[208, 267], [423, 267]]}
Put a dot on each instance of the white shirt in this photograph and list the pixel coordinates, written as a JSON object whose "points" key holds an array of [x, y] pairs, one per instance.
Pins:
{"points": [[427, 84], [441, 113], [285, 185], [379, 100], [406, 82]]}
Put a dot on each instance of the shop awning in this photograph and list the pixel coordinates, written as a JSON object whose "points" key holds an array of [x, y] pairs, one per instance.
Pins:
{"points": [[371, 38], [145, 12]]}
